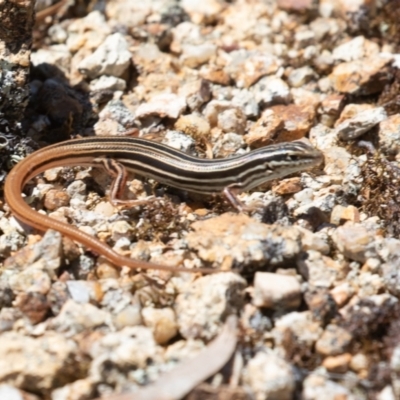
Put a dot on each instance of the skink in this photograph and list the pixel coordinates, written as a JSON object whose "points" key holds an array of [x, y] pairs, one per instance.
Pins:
{"points": [[117, 155]]}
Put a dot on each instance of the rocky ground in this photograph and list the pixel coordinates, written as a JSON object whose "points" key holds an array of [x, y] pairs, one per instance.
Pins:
{"points": [[307, 306]]}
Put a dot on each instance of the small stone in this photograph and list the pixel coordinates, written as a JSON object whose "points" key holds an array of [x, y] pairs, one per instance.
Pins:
{"points": [[288, 186], [281, 124], [265, 131], [351, 110], [317, 386], [215, 74], [369, 284], [300, 76], [57, 34], [57, 296], [244, 99], [77, 190], [33, 305], [314, 241], [232, 120], [276, 291], [179, 141], [269, 376], [342, 293], [332, 104], [45, 255], [340, 214], [129, 14], [105, 208], [237, 241], [334, 341], [389, 135], [129, 316], [355, 49], [205, 12], [354, 241], [57, 55], [337, 161], [30, 280], [200, 308], [121, 229], [87, 33], [112, 58], [193, 125], [352, 128], [79, 389], [361, 77], [271, 90], [131, 348], [162, 322], [391, 276], [356, 13], [8, 392], [387, 393], [359, 362], [55, 199], [320, 270], [247, 67], [321, 304], [78, 317], [164, 105], [337, 364], [195, 55], [106, 82], [85, 291], [47, 358], [301, 325], [196, 93], [119, 113], [229, 144], [296, 5]]}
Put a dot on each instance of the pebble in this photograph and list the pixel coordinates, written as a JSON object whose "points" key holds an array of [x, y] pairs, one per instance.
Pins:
{"points": [[195, 55], [361, 77], [317, 386], [389, 134], [193, 125], [247, 67], [337, 364], [164, 105], [162, 322], [271, 90], [112, 58], [355, 49], [232, 241], [300, 76], [363, 122], [47, 358], [77, 317], [341, 214], [196, 92], [201, 306], [320, 270], [269, 376], [54, 199], [333, 341], [276, 291], [105, 82], [302, 326], [354, 241]]}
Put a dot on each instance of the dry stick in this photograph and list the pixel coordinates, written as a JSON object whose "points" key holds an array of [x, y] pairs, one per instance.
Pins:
{"points": [[42, 15], [178, 382]]}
